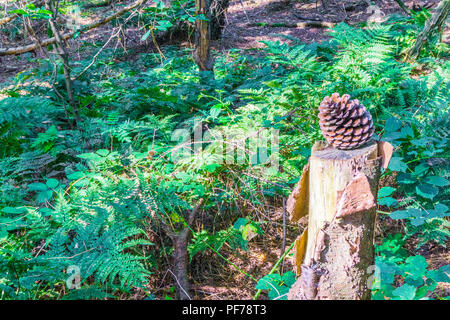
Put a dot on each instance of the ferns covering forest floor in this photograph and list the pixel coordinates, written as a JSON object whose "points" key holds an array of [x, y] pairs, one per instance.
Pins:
{"points": [[105, 197]]}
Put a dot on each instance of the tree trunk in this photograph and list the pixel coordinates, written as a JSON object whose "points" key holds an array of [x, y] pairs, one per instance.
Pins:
{"points": [[62, 52], [180, 241], [181, 260], [434, 23], [202, 53], [339, 194]]}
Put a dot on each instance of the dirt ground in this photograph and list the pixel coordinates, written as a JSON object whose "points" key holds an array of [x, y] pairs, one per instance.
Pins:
{"points": [[250, 21]]}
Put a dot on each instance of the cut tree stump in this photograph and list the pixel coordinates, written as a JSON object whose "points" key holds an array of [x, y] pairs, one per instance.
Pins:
{"points": [[338, 190]]}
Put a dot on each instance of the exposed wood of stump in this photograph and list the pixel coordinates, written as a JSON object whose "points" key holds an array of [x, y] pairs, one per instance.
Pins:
{"points": [[342, 191]]}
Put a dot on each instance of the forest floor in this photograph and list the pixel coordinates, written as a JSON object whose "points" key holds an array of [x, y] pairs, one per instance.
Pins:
{"points": [[248, 23], [251, 21]]}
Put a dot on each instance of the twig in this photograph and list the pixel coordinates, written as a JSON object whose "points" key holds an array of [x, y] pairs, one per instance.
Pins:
{"points": [[179, 285], [283, 244], [403, 6], [319, 24]]}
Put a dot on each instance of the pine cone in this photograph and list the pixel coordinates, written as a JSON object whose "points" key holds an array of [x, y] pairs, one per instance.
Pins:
{"points": [[345, 124]]}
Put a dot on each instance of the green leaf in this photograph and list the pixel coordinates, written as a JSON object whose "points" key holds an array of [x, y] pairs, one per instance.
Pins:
{"points": [[146, 35], [288, 278], [421, 292], [437, 181], [52, 183], [407, 131], [163, 25], [392, 124], [415, 266], [397, 164], [89, 156], [3, 232], [45, 196], [387, 201], [267, 123], [249, 232], [278, 293], [386, 191], [212, 167], [102, 152], [202, 17], [16, 210], [44, 11], [399, 214], [440, 210], [240, 223], [273, 83], [421, 169], [427, 191], [268, 282], [405, 178], [405, 292], [416, 213], [215, 111], [418, 221], [160, 5], [18, 11], [76, 175], [46, 211], [37, 186], [441, 275]]}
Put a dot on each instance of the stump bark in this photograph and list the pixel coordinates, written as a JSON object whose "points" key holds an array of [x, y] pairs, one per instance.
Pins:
{"points": [[338, 191]]}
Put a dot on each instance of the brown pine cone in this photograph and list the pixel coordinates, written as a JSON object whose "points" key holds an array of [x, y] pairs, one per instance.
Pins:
{"points": [[345, 124]]}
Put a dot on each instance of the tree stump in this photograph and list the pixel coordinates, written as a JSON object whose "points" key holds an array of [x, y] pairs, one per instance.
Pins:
{"points": [[338, 189]]}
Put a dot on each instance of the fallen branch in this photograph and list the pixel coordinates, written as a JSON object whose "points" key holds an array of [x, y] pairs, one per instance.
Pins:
{"points": [[434, 23], [90, 5], [403, 7], [65, 36], [8, 19], [309, 18], [312, 23]]}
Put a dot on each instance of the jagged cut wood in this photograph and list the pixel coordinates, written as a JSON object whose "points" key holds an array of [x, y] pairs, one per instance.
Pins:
{"points": [[342, 208], [385, 150], [297, 203], [300, 250]]}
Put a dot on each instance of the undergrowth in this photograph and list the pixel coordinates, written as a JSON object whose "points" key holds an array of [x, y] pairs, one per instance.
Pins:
{"points": [[96, 202]]}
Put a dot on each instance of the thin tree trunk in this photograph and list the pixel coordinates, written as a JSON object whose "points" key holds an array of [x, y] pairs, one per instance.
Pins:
{"points": [[62, 52], [403, 6], [436, 22], [181, 259], [180, 240], [202, 54]]}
